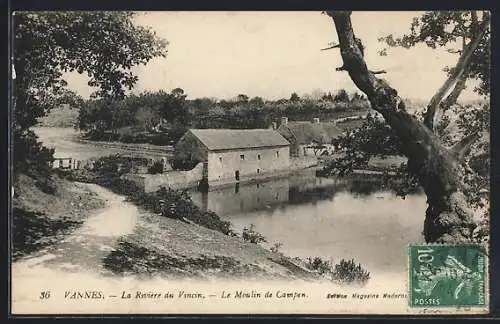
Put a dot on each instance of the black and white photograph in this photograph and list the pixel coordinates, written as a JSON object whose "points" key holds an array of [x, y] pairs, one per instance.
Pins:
{"points": [[250, 162]]}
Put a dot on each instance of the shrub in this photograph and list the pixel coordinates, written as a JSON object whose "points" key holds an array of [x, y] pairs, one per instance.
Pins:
{"points": [[127, 138], [99, 135], [349, 272], [319, 265], [344, 272], [46, 184], [112, 164], [31, 157], [160, 139], [121, 186], [116, 165], [178, 204], [182, 164], [211, 220], [155, 139], [276, 247], [156, 168], [252, 236]]}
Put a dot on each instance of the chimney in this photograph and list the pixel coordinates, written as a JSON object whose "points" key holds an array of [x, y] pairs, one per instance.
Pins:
{"points": [[284, 120], [315, 120]]}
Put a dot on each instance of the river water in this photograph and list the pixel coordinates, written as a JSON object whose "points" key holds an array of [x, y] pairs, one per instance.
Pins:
{"points": [[329, 218]]}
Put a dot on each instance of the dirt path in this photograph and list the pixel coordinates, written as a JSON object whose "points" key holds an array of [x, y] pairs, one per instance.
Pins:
{"points": [[84, 249], [67, 143], [122, 242]]}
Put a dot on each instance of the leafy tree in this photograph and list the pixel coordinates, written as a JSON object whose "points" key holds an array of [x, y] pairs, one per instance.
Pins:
{"points": [[440, 165], [178, 93], [356, 96], [257, 102], [203, 105], [104, 45], [242, 98], [145, 110], [294, 97], [341, 96], [174, 108], [327, 97], [147, 117]]}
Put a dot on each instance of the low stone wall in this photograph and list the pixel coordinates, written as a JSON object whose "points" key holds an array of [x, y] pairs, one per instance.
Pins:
{"points": [[303, 162], [191, 178], [171, 179]]}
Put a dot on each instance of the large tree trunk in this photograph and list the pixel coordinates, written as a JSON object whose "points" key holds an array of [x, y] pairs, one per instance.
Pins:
{"points": [[448, 217]]}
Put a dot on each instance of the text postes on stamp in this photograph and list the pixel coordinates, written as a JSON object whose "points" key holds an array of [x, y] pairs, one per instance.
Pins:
{"points": [[446, 275]]}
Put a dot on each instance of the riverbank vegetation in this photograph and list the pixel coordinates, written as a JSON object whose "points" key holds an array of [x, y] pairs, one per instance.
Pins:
{"points": [[344, 272], [161, 118]]}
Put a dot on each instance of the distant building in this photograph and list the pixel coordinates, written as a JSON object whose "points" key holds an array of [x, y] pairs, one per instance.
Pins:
{"points": [[231, 155], [306, 137]]}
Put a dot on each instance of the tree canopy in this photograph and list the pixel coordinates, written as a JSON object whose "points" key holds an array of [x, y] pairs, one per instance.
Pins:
{"points": [[104, 45]]}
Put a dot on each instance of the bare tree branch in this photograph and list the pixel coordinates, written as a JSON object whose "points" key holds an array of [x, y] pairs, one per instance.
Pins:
{"points": [[382, 96], [330, 47], [430, 119], [475, 22], [448, 218], [455, 93]]}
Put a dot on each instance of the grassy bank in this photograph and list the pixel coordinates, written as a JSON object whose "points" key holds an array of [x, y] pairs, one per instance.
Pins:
{"points": [[43, 213], [174, 238]]}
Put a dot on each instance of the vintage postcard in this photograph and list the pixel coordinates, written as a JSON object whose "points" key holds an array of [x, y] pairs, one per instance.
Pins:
{"points": [[277, 162]]}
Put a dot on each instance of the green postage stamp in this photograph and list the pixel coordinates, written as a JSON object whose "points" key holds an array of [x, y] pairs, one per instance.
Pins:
{"points": [[447, 275]]}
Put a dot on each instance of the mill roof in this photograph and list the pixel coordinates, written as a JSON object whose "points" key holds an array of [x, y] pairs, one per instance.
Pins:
{"points": [[226, 139], [304, 132]]}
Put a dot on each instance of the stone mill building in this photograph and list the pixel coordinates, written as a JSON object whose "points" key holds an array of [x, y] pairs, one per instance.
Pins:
{"points": [[233, 155]]}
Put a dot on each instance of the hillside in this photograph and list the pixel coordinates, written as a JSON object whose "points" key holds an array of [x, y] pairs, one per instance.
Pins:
{"points": [[175, 249], [41, 219]]}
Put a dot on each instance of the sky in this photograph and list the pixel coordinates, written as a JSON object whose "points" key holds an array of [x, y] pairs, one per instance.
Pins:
{"points": [[273, 54]]}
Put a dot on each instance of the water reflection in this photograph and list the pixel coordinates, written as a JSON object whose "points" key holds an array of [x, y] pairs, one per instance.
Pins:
{"points": [[330, 218], [267, 195], [301, 188]]}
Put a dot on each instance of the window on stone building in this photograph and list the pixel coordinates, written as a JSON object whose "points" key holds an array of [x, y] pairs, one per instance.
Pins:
{"points": [[258, 156], [242, 157], [277, 154], [220, 159]]}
